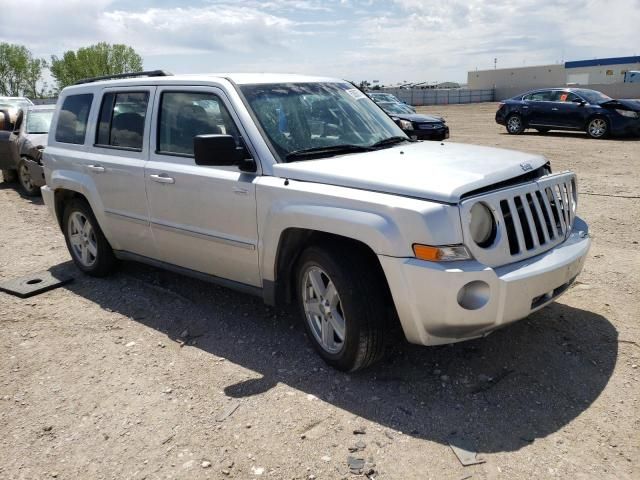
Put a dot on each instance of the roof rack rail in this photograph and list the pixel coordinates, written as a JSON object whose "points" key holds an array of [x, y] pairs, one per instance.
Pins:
{"points": [[150, 73]]}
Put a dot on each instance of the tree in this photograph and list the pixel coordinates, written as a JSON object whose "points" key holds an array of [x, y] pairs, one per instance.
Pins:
{"points": [[19, 71], [94, 61]]}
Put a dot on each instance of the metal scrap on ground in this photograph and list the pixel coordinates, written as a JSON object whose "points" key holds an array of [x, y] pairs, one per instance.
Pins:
{"points": [[466, 457], [34, 284]]}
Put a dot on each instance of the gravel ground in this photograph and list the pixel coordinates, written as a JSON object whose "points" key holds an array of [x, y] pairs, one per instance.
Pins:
{"points": [[148, 374]]}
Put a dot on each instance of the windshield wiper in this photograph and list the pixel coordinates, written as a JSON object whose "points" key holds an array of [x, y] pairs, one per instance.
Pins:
{"points": [[327, 150], [390, 141]]}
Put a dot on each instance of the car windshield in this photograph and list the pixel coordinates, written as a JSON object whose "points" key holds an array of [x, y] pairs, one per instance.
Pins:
{"points": [[327, 118], [393, 108], [593, 96], [39, 121], [384, 97]]}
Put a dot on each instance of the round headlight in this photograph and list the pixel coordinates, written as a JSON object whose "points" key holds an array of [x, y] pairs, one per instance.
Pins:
{"points": [[482, 225]]}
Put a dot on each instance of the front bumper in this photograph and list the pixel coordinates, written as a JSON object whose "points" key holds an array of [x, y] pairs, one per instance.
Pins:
{"points": [[36, 171], [621, 126], [427, 294]]}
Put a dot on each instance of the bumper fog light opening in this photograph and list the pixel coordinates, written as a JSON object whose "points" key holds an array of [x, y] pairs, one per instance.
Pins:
{"points": [[474, 295]]}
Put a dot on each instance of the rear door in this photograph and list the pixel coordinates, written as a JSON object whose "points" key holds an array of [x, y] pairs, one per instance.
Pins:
{"points": [[115, 163], [203, 218]]}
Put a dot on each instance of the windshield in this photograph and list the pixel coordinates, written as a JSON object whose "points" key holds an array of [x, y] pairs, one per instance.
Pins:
{"points": [[15, 102], [302, 116], [39, 121], [395, 108], [384, 97], [593, 96]]}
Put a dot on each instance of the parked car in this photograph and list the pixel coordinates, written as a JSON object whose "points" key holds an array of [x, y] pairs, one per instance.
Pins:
{"points": [[417, 126], [299, 188], [21, 149], [388, 97], [570, 109]]}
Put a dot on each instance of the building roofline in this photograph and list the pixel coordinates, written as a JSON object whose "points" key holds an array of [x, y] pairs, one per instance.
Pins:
{"points": [[602, 62]]}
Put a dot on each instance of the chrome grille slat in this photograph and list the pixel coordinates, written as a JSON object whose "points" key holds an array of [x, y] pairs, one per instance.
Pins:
{"points": [[531, 218], [532, 225], [543, 222], [515, 218]]}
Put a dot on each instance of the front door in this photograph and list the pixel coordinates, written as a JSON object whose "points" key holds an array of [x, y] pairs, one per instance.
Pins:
{"points": [[203, 218]]}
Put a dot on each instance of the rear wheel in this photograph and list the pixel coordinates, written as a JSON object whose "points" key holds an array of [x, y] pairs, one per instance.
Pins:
{"points": [[24, 177], [515, 125], [598, 127], [344, 307], [8, 176], [87, 245]]}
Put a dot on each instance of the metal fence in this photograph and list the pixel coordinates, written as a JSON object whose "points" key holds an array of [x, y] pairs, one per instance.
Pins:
{"points": [[441, 96]]}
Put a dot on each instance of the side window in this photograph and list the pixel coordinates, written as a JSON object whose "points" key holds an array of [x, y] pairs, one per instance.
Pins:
{"points": [[184, 115], [72, 119], [538, 97], [121, 121]]}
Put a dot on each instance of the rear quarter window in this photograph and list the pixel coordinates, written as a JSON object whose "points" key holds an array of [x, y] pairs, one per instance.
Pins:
{"points": [[72, 119]]}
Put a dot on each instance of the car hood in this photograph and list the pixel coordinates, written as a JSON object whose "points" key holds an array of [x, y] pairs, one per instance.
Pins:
{"points": [[441, 172], [37, 139], [418, 117]]}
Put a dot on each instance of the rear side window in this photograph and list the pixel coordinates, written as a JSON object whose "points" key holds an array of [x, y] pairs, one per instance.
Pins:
{"points": [[121, 121], [184, 115], [72, 119]]}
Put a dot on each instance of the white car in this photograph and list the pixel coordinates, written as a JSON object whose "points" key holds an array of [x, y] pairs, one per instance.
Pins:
{"points": [[302, 189]]}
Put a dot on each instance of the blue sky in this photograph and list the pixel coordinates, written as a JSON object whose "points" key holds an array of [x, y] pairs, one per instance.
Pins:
{"points": [[390, 41]]}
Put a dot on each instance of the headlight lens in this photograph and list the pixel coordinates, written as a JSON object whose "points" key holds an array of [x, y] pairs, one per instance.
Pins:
{"points": [[482, 225], [406, 125], [628, 113]]}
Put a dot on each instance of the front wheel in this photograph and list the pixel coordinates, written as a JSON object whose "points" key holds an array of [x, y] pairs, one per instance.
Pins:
{"points": [[515, 125], [597, 127], [24, 177], [344, 306], [87, 245]]}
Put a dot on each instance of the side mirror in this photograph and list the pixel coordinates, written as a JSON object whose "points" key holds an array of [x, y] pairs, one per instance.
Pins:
{"points": [[221, 150], [579, 101]]}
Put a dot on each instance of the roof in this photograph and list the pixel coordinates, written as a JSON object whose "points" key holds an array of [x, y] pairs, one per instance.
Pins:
{"points": [[238, 78], [602, 61]]}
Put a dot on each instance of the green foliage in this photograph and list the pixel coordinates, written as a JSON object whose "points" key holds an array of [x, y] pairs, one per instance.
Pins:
{"points": [[19, 71], [94, 61]]}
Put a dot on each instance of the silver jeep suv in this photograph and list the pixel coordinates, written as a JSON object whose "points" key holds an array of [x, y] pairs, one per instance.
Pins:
{"points": [[302, 189]]}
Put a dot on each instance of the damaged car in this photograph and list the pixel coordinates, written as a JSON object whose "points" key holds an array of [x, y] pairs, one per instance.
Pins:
{"points": [[416, 125], [21, 149], [577, 109]]}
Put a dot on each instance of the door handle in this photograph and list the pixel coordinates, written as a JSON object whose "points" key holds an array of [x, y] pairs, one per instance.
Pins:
{"points": [[162, 178], [240, 191], [96, 168], [525, 107], [554, 109]]}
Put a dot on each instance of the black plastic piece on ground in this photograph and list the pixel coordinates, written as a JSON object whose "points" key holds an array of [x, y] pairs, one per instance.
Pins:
{"points": [[34, 284]]}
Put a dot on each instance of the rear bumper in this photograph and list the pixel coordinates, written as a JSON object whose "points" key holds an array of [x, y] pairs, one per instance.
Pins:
{"points": [[37, 173], [428, 296]]}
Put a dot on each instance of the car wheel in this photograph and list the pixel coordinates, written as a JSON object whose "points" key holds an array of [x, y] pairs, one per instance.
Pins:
{"points": [[9, 176], [24, 177], [515, 124], [543, 130], [87, 245], [598, 127], [344, 306]]}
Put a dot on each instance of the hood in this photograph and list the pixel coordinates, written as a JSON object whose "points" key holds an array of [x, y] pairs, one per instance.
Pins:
{"points": [[418, 118], [441, 172], [37, 138], [628, 103]]}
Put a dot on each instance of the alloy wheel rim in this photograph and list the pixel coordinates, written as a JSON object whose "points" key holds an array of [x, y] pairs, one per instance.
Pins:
{"points": [[597, 127], [514, 124], [83, 240], [323, 310], [25, 177]]}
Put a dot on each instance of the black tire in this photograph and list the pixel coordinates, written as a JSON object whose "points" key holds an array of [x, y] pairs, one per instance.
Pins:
{"points": [[514, 124], [597, 127], [543, 130], [24, 179], [104, 261], [364, 301], [9, 176]]}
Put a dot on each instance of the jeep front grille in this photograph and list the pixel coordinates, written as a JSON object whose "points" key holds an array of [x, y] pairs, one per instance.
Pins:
{"points": [[530, 218]]}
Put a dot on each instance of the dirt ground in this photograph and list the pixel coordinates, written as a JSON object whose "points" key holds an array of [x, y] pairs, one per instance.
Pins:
{"points": [[149, 374]]}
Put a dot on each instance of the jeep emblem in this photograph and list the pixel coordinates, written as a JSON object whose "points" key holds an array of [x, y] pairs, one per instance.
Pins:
{"points": [[526, 166]]}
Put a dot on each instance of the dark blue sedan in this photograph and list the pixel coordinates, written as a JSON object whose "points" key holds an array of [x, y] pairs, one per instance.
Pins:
{"points": [[577, 109]]}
